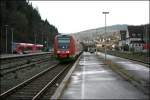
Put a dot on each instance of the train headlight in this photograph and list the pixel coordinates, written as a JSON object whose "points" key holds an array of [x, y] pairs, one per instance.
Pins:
{"points": [[58, 51], [67, 52]]}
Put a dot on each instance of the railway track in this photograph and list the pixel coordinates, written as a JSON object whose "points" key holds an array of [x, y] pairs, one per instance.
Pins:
{"points": [[14, 69], [40, 86], [13, 64], [14, 58], [13, 73], [18, 61]]}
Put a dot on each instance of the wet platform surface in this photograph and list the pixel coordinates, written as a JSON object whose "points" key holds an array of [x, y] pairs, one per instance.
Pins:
{"points": [[92, 79], [138, 70]]}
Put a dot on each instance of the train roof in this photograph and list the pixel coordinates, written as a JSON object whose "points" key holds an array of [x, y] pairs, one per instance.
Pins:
{"points": [[28, 44], [62, 35]]}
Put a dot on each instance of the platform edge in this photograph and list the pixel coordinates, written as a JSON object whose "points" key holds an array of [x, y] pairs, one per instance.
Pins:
{"points": [[59, 90]]}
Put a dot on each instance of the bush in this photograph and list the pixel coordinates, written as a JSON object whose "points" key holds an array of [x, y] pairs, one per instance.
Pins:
{"points": [[132, 50], [126, 47]]}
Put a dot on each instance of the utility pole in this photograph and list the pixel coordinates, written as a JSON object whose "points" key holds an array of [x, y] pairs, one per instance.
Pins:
{"points": [[42, 38], [6, 37], [147, 39], [1, 34], [1, 41], [12, 39], [105, 32], [47, 43], [35, 38]]}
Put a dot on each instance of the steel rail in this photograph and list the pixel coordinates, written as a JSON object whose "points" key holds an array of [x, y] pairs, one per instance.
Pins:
{"points": [[10, 91], [24, 55], [7, 63], [20, 63], [3, 67], [22, 67], [50, 83]]}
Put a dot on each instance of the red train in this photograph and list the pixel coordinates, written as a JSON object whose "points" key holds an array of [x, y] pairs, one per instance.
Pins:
{"points": [[66, 47], [21, 48]]}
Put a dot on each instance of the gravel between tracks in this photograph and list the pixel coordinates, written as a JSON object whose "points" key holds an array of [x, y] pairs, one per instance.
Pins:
{"points": [[13, 79], [29, 90]]}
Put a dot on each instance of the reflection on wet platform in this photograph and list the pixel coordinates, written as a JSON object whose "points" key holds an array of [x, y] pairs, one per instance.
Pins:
{"points": [[92, 79]]}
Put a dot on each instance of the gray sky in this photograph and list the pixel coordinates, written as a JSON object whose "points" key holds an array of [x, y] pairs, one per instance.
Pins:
{"points": [[76, 16]]}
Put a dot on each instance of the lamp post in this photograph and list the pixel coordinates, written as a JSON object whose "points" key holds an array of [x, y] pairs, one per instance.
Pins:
{"points": [[6, 37], [35, 38], [105, 31], [42, 38], [12, 39], [1, 40], [47, 43]]}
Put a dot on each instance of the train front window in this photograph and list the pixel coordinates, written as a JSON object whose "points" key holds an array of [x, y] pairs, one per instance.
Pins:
{"points": [[63, 43]]}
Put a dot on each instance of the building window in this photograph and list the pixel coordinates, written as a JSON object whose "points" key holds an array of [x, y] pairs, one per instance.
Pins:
{"points": [[139, 35], [133, 34]]}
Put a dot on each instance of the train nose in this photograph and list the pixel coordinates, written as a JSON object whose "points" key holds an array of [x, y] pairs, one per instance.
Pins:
{"points": [[64, 54]]}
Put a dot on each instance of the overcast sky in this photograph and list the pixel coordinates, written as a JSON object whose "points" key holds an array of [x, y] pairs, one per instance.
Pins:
{"points": [[76, 16]]}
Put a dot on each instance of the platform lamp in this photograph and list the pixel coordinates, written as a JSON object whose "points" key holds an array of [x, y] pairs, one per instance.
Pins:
{"points": [[105, 32], [6, 37]]}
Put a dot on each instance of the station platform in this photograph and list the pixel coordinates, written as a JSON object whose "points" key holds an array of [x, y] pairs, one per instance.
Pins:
{"points": [[4, 56], [92, 79], [139, 70]]}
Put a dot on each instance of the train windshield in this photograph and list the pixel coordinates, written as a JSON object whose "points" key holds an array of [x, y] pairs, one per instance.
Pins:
{"points": [[63, 42]]}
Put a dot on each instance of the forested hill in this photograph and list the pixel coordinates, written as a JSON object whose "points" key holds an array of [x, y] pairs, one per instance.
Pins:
{"points": [[26, 23]]}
